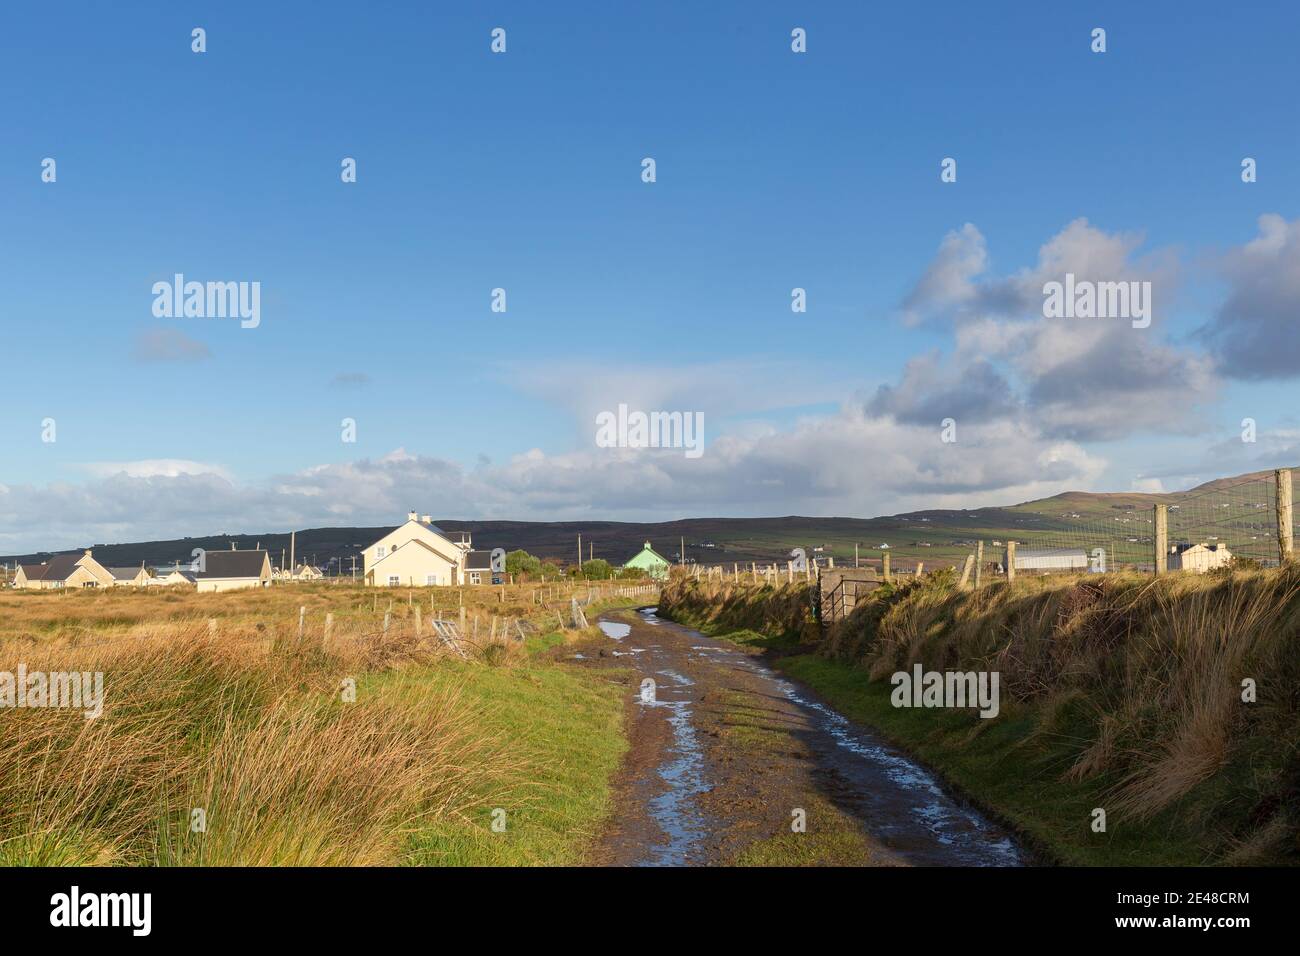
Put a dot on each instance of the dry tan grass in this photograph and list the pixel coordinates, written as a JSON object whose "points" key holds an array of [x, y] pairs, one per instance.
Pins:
{"points": [[249, 725], [1158, 662]]}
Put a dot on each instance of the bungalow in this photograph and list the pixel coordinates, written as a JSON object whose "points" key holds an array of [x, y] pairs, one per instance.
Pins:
{"points": [[232, 570], [305, 572], [650, 561], [176, 575], [65, 571], [1199, 557], [130, 577], [416, 554]]}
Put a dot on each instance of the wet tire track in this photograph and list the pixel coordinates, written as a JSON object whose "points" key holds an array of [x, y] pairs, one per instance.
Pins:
{"points": [[688, 795]]}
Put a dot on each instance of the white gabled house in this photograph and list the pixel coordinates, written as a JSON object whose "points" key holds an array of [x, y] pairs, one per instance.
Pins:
{"points": [[233, 570], [416, 554]]}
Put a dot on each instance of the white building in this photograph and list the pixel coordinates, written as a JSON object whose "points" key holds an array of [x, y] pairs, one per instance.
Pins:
{"points": [[1052, 559], [233, 570], [1198, 557], [417, 554]]}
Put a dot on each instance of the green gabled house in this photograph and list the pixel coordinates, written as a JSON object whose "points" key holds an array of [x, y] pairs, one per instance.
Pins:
{"points": [[650, 561]]}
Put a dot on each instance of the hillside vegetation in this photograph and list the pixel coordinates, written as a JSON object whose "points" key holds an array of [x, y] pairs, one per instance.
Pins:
{"points": [[1121, 693]]}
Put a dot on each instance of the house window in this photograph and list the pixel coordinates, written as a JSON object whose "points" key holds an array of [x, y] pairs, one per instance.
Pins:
{"points": [[474, 577], [431, 579], [394, 580], [380, 551]]}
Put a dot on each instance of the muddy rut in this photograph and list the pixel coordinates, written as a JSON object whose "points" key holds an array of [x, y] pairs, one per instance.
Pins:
{"points": [[731, 762]]}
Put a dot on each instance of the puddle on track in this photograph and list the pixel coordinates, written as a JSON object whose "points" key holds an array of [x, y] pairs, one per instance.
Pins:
{"points": [[615, 629], [675, 811], [900, 803]]}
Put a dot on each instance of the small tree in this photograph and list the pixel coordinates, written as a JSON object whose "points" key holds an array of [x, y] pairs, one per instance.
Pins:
{"points": [[597, 569], [523, 563]]}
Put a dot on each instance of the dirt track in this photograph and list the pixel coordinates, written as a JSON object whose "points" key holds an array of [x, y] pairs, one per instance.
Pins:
{"points": [[725, 755]]}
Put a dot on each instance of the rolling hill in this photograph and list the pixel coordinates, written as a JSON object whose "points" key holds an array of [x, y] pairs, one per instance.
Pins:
{"points": [[1071, 518]]}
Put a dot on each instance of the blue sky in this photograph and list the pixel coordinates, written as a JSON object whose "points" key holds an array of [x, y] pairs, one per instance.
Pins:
{"points": [[522, 170]]}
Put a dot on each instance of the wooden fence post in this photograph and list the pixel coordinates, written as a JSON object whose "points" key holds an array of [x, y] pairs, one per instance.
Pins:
{"points": [[965, 571], [979, 564], [1285, 543], [884, 567], [1162, 538], [329, 625], [302, 619], [1011, 560]]}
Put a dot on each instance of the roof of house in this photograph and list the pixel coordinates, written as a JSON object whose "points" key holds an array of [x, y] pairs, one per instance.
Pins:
{"points": [[648, 550], [124, 574], [187, 574], [233, 564], [34, 572], [60, 568], [478, 560]]}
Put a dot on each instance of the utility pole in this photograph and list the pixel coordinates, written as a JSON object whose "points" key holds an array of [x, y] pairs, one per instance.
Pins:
{"points": [[579, 551], [682, 553]]}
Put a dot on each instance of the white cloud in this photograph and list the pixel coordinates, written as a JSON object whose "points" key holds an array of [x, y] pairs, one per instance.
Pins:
{"points": [[1077, 379], [154, 468], [1255, 333]]}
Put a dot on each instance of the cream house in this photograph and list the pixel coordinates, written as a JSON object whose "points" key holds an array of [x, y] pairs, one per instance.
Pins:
{"points": [[1199, 557], [65, 571], [416, 554], [177, 575], [130, 577], [233, 570]]}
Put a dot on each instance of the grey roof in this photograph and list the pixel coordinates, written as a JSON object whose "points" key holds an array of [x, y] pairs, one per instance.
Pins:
{"points": [[61, 568], [478, 560], [124, 574], [34, 572], [232, 564]]}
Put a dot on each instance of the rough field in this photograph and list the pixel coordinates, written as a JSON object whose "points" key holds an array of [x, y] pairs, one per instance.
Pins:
{"points": [[369, 745]]}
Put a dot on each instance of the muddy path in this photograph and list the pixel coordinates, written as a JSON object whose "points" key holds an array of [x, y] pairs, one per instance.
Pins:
{"points": [[730, 762]]}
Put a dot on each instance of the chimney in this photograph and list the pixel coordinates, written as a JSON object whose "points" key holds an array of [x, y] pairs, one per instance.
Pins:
{"points": [[427, 519]]}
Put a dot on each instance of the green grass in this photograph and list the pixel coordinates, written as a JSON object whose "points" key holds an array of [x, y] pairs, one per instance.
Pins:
{"points": [[567, 724], [1012, 767], [831, 838]]}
